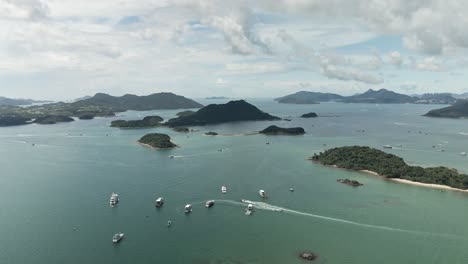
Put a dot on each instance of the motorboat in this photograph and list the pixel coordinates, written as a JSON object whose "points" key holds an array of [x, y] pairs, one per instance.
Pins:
{"points": [[223, 189], [209, 203], [159, 202], [117, 237], [188, 208], [114, 199], [291, 189], [262, 193], [249, 209]]}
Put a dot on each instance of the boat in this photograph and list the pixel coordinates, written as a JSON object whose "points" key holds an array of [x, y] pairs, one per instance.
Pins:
{"points": [[117, 237], [169, 223], [249, 209], [171, 156], [223, 189], [262, 193], [291, 189], [387, 146], [209, 203], [188, 208], [462, 153], [114, 199], [159, 202]]}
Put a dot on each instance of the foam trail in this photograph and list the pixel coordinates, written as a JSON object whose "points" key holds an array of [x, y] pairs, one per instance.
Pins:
{"points": [[269, 207], [17, 141]]}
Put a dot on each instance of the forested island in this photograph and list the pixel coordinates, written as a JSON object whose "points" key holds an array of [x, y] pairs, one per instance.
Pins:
{"points": [[149, 121], [360, 158], [157, 141], [458, 110], [222, 113], [309, 115], [98, 105], [53, 119], [275, 130]]}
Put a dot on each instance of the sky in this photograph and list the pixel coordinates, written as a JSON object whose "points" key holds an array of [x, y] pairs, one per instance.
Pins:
{"points": [[65, 49]]}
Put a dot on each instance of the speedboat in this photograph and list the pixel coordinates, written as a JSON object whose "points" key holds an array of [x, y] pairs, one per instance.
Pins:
{"points": [[114, 199], [209, 203], [223, 189], [188, 208], [262, 193], [249, 209], [159, 202], [117, 237], [387, 146]]}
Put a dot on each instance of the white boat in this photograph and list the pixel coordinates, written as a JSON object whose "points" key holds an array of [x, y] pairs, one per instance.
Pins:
{"points": [[188, 208], [209, 203], [291, 189], [114, 199], [117, 237], [387, 146], [249, 209], [223, 189], [262, 193], [159, 202], [169, 223], [462, 153]]}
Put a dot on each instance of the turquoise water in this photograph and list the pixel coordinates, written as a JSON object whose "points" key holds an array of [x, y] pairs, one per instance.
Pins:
{"points": [[65, 181]]}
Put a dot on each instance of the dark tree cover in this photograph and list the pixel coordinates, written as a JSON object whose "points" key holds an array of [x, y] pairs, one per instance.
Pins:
{"points": [[309, 115], [390, 166], [157, 140], [149, 121], [275, 130], [53, 119], [13, 121]]}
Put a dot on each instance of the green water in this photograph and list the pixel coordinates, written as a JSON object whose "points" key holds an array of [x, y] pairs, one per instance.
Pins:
{"points": [[65, 181]]}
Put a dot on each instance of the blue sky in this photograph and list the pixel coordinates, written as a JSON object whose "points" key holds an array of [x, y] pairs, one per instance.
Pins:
{"points": [[63, 49]]}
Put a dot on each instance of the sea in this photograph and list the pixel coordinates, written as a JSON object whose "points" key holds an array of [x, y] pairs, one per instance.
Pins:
{"points": [[56, 181]]}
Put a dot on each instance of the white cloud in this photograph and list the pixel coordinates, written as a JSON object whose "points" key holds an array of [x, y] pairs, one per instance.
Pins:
{"points": [[348, 74], [254, 68], [396, 59], [429, 64]]}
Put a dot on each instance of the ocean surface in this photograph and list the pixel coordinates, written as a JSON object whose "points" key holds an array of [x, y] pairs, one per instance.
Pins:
{"points": [[54, 196]]}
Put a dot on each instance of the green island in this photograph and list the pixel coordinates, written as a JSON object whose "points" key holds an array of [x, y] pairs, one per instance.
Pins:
{"points": [[275, 130], [309, 115], [149, 121], [100, 105], [157, 141], [360, 158], [222, 113], [53, 119]]}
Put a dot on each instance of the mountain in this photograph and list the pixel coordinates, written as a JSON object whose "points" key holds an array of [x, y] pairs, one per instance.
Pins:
{"points": [[139, 103], [221, 113], [458, 110], [304, 97], [381, 96], [9, 101]]}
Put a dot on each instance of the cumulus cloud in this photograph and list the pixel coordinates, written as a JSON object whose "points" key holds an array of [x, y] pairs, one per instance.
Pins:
{"points": [[23, 9], [429, 64], [396, 59], [349, 74]]}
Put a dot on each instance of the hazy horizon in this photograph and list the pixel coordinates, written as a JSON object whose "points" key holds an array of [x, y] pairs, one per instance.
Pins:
{"points": [[63, 49]]}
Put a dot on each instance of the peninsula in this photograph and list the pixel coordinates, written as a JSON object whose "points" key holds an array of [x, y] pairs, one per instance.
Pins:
{"points": [[375, 161], [157, 141], [275, 130], [149, 121], [222, 113], [458, 110]]}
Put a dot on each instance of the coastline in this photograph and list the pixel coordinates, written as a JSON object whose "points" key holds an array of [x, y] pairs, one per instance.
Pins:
{"points": [[155, 148], [414, 183]]}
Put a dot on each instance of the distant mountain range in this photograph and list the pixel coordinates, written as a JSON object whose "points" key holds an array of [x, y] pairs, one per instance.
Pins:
{"points": [[381, 96], [10, 101]]}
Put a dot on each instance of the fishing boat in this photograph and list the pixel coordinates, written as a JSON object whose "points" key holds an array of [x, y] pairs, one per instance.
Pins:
{"points": [[159, 202], [114, 199]]}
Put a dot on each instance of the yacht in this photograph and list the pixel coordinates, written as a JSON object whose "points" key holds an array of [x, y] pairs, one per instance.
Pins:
{"points": [[188, 208], [262, 193], [223, 189], [209, 203], [114, 199], [117, 237], [249, 209], [159, 202]]}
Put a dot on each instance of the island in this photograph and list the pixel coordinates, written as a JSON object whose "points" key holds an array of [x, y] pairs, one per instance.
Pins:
{"points": [[305, 97], [100, 105], [181, 129], [53, 119], [149, 121], [458, 110], [275, 130], [211, 133], [185, 113], [222, 113], [362, 158], [157, 141], [350, 182], [309, 115], [13, 121]]}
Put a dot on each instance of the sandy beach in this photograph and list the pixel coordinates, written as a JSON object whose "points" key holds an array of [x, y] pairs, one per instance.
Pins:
{"points": [[427, 185]]}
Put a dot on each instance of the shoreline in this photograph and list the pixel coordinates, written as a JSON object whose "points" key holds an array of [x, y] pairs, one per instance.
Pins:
{"points": [[415, 183], [155, 148]]}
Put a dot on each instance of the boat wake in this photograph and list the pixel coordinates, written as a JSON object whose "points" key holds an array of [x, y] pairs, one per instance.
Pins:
{"points": [[269, 207]]}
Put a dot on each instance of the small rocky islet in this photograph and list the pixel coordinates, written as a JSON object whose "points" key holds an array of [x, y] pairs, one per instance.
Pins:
{"points": [[157, 141], [276, 130]]}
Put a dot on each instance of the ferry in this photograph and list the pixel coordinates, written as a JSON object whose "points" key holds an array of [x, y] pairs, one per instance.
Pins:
{"points": [[188, 208], [114, 199], [209, 203], [159, 202], [117, 237]]}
